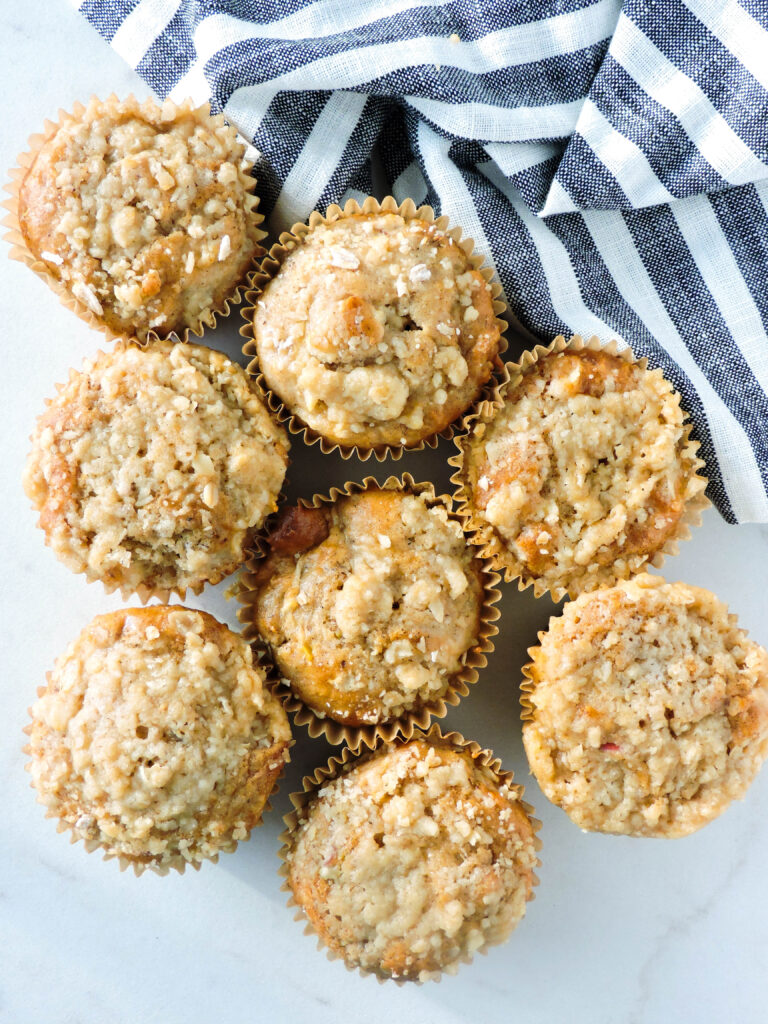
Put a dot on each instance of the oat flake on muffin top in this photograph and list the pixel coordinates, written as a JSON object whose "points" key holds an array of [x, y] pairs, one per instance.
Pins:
{"points": [[368, 605], [156, 738], [376, 330], [143, 212], [151, 467], [649, 709], [413, 860], [584, 472]]}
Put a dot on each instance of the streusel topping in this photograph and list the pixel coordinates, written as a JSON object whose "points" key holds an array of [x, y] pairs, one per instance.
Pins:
{"points": [[143, 212], [156, 737], [369, 605], [584, 472], [413, 860], [650, 709], [151, 467], [376, 330]]}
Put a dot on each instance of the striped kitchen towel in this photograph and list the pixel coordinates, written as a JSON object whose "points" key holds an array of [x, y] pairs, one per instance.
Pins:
{"points": [[610, 159]]}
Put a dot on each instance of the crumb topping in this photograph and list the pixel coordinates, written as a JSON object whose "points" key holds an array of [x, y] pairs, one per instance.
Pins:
{"points": [[152, 466], [156, 737], [372, 607], [650, 709], [413, 860], [143, 212], [583, 473], [376, 328]]}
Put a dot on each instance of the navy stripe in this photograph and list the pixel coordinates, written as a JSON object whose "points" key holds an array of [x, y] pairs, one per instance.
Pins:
{"points": [[170, 56], [691, 47], [676, 278], [357, 152], [107, 18], [744, 222], [675, 160], [582, 174], [535, 182], [601, 295], [757, 9]]}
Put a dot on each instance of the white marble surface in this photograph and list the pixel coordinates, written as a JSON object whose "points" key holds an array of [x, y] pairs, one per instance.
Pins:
{"points": [[621, 931]]}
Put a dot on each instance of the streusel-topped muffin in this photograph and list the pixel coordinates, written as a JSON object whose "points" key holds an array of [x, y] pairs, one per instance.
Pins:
{"points": [[647, 709], [412, 860], [152, 467], [376, 330], [368, 605], [143, 212], [156, 738], [583, 475]]}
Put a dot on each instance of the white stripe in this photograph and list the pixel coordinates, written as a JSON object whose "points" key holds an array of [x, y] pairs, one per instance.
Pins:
{"points": [[626, 161], [193, 85], [562, 283], [761, 187], [514, 158], [410, 184], [455, 198], [717, 265], [484, 121], [353, 193], [318, 159], [320, 19], [141, 28], [738, 31], [735, 455], [720, 146], [558, 201], [247, 107], [516, 45]]}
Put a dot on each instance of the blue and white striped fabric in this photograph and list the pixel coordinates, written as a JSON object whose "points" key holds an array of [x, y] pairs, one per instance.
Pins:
{"points": [[610, 159]]}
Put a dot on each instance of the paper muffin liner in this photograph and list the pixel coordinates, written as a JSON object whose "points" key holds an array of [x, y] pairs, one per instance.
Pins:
{"points": [[407, 724], [253, 545], [484, 535], [19, 249], [348, 759], [272, 262], [175, 863]]}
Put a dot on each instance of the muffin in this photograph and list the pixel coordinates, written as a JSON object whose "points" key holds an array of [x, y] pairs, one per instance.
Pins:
{"points": [[156, 738], [646, 709], [369, 604], [152, 468], [413, 859], [141, 213], [375, 329], [582, 473]]}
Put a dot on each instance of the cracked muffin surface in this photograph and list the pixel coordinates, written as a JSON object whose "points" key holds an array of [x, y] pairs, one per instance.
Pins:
{"points": [[649, 709], [156, 738], [368, 605], [413, 860], [376, 330], [152, 467], [584, 472], [143, 212]]}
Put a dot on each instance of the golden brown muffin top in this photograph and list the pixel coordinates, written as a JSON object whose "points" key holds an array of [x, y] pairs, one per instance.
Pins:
{"points": [[650, 709], [369, 605], [413, 860], [156, 738], [152, 466], [584, 472], [376, 330], [143, 212]]}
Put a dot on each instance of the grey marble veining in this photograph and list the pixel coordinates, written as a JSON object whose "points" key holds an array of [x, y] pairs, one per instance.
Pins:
{"points": [[640, 932]]}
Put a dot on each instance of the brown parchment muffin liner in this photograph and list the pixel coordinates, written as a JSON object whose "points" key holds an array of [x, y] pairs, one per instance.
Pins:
{"points": [[483, 533], [346, 760], [178, 863], [19, 250], [357, 737], [272, 262], [254, 547]]}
